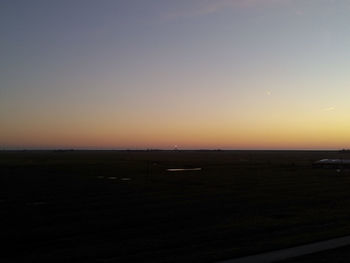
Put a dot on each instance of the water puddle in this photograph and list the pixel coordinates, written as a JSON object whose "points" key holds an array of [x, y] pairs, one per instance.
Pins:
{"points": [[183, 169], [112, 178], [125, 179]]}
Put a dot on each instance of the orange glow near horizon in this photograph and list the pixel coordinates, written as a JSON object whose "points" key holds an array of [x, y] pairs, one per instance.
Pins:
{"points": [[197, 136]]}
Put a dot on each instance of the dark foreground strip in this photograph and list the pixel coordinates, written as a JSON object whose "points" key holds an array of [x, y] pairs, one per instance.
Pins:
{"points": [[288, 253]]}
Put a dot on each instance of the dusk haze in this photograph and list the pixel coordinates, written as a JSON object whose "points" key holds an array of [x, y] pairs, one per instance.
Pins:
{"points": [[186, 74], [175, 131]]}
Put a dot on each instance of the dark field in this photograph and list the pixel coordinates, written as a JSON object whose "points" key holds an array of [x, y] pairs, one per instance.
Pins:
{"points": [[59, 206]]}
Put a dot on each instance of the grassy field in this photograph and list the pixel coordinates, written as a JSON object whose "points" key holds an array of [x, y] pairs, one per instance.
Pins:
{"points": [[77, 206]]}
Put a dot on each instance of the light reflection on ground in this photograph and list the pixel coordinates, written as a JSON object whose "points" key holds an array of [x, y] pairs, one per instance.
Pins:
{"points": [[183, 169]]}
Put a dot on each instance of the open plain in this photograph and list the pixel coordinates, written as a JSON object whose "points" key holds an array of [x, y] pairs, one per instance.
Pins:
{"points": [[125, 206]]}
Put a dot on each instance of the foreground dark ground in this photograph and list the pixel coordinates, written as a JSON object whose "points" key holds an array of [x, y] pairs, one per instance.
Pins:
{"points": [[339, 255], [72, 206]]}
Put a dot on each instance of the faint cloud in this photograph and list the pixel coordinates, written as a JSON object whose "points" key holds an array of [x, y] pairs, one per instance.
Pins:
{"points": [[299, 13], [329, 109], [206, 7], [268, 92]]}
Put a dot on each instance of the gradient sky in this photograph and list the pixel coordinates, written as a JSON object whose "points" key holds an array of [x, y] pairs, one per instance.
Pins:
{"points": [[229, 74]]}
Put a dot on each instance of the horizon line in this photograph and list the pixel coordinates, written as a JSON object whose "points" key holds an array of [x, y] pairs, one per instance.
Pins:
{"points": [[161, 149]]}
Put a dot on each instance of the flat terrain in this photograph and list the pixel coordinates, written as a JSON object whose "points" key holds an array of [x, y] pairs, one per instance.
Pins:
{"points": [[123, 206]]}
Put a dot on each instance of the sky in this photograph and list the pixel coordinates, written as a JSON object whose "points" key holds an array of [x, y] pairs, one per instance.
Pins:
{"points": [[187, 74]]}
